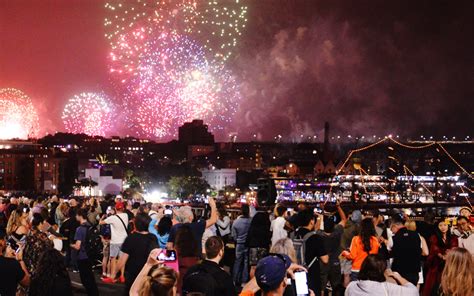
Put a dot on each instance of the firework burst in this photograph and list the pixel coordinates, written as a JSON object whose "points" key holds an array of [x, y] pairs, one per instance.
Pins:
{"points": [[88, 113], [18, 117], [216, 24]]}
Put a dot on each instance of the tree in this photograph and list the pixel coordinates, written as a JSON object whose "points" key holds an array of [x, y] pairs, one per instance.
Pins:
{"points": [[184, 187]]}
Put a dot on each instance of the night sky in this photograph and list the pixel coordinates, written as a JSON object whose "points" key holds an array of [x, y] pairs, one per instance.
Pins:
{"points": [[368, 67]]}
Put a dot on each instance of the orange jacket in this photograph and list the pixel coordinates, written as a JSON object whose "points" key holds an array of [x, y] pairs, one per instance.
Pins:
{"points": [[357, 253]]}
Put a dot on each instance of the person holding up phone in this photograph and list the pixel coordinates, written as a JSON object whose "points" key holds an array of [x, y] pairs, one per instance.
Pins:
{"points": [[12, 268], [271, 277]]}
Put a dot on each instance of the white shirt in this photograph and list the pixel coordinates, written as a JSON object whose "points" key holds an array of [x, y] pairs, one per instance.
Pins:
{"points": [[118, 231], [467, 243], [224, 225], [371, 288], [278, 229]]}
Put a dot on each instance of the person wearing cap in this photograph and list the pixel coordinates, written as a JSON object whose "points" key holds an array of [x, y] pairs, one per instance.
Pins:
{"points": [[406, 250], [467, 212], [119, 232], [271, 276]]}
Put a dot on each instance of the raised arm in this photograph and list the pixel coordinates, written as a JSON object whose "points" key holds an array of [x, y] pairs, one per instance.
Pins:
{"points": [[140, 279], [341, 213], [213, 219]]}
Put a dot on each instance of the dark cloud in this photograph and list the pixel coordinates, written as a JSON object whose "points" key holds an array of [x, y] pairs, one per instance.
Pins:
{"points": [[366, 67]]}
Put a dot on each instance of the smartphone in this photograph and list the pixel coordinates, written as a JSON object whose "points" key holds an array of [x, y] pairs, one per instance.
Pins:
{"points": [[290, 209], [167, 256], [170, 259], [12, 243], [317, 211], [301, 283], [168, 212]]}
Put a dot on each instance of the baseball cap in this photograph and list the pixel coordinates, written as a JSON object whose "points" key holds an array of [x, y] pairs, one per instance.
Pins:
{"points": [[119, 205], [271, 271]]}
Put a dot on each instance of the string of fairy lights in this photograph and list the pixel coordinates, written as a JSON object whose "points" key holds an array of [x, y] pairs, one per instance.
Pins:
{"points": [[405, 168]]}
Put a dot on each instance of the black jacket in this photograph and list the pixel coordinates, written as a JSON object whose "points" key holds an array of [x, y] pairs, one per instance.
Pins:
{"points": [[225, 285]]}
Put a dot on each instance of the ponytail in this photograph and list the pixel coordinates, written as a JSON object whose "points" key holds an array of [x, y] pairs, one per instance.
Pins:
{"points": [[160, 283]]}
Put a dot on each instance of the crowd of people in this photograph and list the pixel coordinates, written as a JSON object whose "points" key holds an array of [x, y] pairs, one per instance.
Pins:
{"points": [[154, 249]]}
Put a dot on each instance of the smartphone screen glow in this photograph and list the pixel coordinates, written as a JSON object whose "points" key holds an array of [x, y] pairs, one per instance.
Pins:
{"points": [[301, 283]]}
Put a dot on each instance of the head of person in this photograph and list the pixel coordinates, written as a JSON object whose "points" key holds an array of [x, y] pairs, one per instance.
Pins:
{"points": [[50, 267], [429, 217], [458, 274], [285, 246], [367, 231], [356, 216], [161, 282], [280, 211], [214, 247], [81, 215], [443, 227], [465, 211], [142, 221], [329, 223], [156, 207], [14, 200], [307, 219], [245, 210], [72, 202], [373, 269], [17, 218], [463, 223], [271, 274], [184, 214], [221, 210], [185, 243], [120, 207], [301, 207], [135, 205], [164, 226], [398, 222], [410, 225], [38, 223]]}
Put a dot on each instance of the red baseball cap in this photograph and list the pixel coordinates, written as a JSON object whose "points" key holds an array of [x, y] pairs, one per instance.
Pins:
{"points": [[119, 205]]}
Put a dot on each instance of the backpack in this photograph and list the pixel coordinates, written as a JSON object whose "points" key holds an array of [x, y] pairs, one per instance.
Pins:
{"points": [[300, 248], [200, 280], [93, 243]]}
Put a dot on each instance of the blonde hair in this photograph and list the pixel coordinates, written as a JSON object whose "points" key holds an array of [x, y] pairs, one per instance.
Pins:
{"points": [[14, 222], [284, 246], [411, 225], [457, 278], [161, 282]]}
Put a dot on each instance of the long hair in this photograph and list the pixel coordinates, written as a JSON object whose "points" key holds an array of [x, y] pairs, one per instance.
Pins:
{"points": [[14, 222], [185, 242], [284, 246], [457, 278], [160, 283], [367, 230], [50, 268], [164, 226], [439, 236], [15, 218]]}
